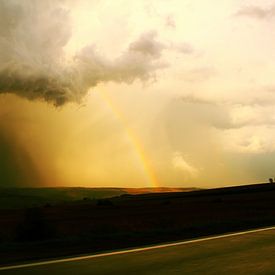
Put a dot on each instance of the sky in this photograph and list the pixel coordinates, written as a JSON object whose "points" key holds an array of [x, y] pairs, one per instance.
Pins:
{"points": [[100, 93]]}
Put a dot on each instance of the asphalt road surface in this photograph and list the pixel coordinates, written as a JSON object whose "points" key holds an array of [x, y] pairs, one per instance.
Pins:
{"points": [[251, 252]]}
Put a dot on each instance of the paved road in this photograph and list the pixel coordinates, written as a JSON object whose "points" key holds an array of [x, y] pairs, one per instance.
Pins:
{"points": [[243, 253]]}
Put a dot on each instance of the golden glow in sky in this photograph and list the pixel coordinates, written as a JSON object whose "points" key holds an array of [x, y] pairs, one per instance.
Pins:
{"points": [[136, 93]]}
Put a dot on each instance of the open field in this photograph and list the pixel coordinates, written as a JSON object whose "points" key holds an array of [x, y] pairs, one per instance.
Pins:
{"points": [[251, 253], [35, 197], [89, 226]]}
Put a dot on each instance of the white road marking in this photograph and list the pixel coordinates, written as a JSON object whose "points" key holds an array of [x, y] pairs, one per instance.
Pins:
{"points": [[136, 249]]}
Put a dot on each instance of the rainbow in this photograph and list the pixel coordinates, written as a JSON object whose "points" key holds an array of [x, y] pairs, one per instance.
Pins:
{"points": [[134, 140]]}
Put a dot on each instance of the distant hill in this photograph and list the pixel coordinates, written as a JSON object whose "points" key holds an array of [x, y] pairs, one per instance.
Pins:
{"points": [[137, 191], [32, 197]]}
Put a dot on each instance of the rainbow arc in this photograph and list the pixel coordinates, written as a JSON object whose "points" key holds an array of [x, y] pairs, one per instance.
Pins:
{"points": [[133, 139]]}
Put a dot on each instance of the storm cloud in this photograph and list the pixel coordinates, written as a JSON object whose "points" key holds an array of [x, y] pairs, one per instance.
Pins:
{"points": [[34, 63]]}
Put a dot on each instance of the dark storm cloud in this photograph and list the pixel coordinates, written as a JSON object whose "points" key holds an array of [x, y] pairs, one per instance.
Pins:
{"points": [[33, 63]]}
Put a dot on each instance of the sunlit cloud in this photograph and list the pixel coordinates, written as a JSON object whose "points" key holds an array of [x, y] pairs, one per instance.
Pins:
{"points": [[257, 12], [181, 164]]}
